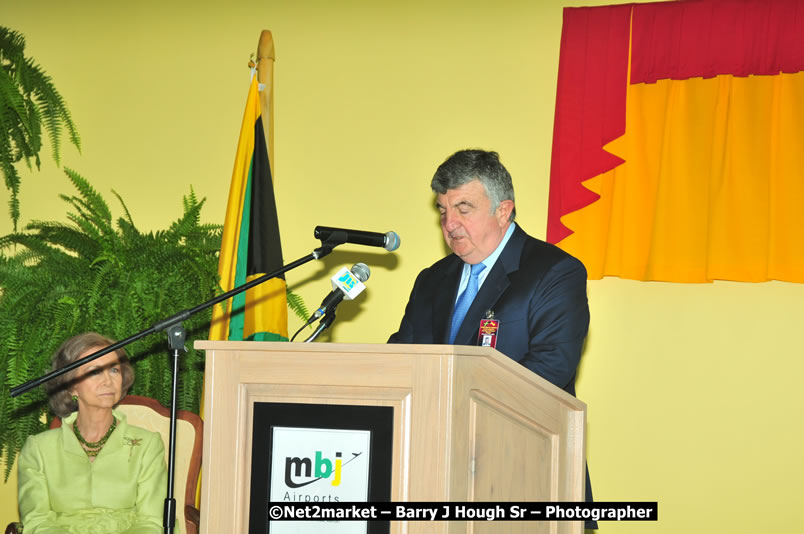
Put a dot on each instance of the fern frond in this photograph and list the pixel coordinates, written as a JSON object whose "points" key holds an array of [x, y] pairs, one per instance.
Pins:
{"points": [[129, 220], [91, 199], [66, 237], [296, 304], [15, 111], [29, 101], [52, 108]]}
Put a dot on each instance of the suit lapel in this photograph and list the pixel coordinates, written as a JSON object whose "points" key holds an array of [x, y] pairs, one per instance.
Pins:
{"points": [[495, 285], [444, 300]]}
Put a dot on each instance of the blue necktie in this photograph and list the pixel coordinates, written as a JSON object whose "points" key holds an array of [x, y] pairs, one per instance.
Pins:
{"points": [[464, 301]]}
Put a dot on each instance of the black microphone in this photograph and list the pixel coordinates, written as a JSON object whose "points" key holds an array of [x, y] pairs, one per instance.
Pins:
{"points": [[389, 241]]}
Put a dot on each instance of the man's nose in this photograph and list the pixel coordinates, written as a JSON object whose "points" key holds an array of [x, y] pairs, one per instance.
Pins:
{"points": [[450, 221]]}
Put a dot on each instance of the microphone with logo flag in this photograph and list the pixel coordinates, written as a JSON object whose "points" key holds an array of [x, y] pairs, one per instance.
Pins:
{"points": [[346, 284]]}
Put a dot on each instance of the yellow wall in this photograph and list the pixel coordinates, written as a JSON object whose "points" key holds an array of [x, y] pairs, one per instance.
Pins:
{"points": [[692, 389]]}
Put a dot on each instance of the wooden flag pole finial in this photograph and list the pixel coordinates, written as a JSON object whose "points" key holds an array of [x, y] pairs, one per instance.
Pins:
{"points": [[265, 48]]}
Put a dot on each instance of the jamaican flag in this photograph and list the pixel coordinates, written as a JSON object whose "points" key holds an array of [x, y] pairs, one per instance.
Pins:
{"points": [[250, 244]]}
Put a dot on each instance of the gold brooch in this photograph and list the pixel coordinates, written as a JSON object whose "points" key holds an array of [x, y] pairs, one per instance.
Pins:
{"points": [[132, 442]]}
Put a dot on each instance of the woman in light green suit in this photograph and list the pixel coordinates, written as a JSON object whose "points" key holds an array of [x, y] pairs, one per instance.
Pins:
{"points": [[96, 474]]}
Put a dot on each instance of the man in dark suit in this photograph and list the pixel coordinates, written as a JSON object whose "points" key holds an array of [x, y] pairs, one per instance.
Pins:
{"points": [[535, 290]]}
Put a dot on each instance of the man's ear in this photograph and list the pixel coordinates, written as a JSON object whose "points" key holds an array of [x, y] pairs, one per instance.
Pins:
{"points": [[504, 212]]}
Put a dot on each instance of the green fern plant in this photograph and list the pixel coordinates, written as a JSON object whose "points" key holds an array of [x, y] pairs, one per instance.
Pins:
{"points": [[29, 103], [60, 279]]}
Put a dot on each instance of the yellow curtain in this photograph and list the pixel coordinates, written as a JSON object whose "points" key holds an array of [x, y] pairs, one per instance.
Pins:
{"points": [[712, 187]]}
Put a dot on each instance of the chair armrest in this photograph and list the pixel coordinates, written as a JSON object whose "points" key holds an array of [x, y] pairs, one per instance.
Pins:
{"points": [[192, 517]]}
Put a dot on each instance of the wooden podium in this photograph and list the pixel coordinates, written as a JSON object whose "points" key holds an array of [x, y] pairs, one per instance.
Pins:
{"points": [[469, 424]]}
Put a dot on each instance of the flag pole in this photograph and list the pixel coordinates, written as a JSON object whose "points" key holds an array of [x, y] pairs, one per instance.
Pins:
{"points": [[266, 55]]}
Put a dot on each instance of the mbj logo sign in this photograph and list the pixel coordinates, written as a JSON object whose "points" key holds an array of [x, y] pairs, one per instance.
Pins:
{"points": [[321, 467], [318, 464]]}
